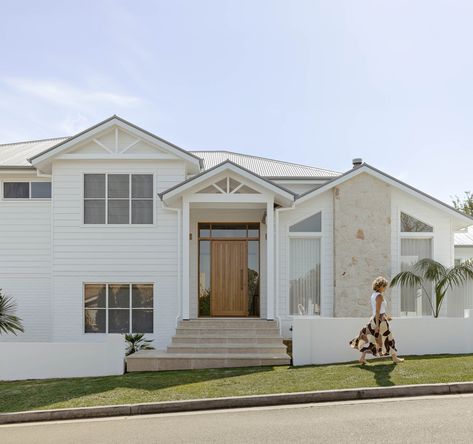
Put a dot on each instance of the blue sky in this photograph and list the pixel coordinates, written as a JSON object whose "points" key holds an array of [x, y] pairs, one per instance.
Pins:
{"points": [[313, 82]]}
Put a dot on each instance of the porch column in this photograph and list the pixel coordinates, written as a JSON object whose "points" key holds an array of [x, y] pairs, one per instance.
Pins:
{"points": [[185, 259], [270, 259]]}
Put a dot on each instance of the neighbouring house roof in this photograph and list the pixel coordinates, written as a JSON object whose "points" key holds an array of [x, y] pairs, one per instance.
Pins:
{"points": [[464, 239], [263, 166]]}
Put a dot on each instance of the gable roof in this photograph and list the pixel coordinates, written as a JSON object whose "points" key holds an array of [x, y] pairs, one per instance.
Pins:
{"points": [[228, 165], [366, 168], [64, 144]]}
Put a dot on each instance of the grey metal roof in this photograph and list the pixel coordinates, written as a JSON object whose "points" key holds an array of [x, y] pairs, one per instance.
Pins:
{"points": [[15, 155], [464, 239], [263, 166]]}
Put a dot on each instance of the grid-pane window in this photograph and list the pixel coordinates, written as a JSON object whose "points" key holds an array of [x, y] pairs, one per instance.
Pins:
{"points": [[304, 276], [414, 301], [27, 190], [118, 199], [118, 308]]}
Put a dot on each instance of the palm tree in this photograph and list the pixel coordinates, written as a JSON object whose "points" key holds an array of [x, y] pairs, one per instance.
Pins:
{"points": [[442, 278], [136, 342], [9, 322]]}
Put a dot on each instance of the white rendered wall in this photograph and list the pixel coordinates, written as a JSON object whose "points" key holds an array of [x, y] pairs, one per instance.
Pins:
{"points": [[323, 203], [40, 360], [463, 253], [25, 260], [326, 340], [112, 254]]}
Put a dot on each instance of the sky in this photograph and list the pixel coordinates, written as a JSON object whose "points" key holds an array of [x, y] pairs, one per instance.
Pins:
{"points": [[311, 82]]}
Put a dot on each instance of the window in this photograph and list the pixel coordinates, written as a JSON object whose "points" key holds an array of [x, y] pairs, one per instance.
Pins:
{"points": [[118, 308], [410, 224], [414, 300], [305, 266], [27, 190], [118, 198]]}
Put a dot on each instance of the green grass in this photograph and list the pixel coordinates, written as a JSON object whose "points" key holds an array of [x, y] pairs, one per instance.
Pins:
{"points": [[178, 385]]}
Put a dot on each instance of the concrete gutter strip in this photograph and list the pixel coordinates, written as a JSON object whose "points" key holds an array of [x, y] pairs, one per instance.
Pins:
{"points": [[238, 402]]}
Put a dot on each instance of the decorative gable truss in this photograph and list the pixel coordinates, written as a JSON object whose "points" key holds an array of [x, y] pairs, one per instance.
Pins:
{"points": [[116, 143], [228, 185]]}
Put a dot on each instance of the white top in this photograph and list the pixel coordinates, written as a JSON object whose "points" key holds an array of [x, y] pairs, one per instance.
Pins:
{"points": [[373, 304]]}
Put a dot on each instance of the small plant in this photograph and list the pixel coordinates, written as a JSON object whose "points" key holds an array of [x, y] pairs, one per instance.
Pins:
{"points": [[136, 342], [442, 278], [9, 322]]}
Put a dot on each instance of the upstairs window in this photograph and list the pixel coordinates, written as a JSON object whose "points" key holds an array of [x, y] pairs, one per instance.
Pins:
{"points": [[27, 190], [410, 224], [118, 199]]}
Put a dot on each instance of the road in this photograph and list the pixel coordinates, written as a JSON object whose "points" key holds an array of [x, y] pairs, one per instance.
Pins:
{"points": [[413, 420]]}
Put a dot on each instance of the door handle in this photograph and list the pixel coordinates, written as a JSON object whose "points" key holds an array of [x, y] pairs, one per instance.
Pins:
{"points": [[241, 279]]}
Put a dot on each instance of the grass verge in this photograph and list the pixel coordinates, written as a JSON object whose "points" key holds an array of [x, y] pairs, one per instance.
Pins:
{"points": [[193, 384]]}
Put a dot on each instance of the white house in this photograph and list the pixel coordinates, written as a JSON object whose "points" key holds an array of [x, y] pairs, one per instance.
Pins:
{"points": [[116, 230]]}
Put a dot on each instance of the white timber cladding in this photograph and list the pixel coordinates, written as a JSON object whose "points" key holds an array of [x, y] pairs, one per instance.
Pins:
{"points": [[112, 253], [25, 259], [322, 203], [442, 237]]}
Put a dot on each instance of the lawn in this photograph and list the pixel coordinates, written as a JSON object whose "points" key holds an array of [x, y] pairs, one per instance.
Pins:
{"points": [[178, 385]]}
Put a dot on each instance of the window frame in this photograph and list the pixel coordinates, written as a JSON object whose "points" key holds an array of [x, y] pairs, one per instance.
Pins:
{"points": [[130, 215], [305, 235], [107, 308], [25, 199]]}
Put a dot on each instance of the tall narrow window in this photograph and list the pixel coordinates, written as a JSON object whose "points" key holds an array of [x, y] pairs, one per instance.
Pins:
{"points": [[118, 199], [414, 300], [305, 266]]}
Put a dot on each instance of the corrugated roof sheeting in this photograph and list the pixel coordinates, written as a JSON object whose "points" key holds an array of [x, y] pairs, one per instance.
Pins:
{"points": [[262, 166], [16, 155], [464, 239]]}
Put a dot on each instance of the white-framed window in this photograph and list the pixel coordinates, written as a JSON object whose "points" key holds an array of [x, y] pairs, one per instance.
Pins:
{"points": [[118, 199], [305, 238], [118, 308], [26, 190], [416, 244]]}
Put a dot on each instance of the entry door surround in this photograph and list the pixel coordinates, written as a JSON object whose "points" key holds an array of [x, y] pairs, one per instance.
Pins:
{"points": [[229, 278]]}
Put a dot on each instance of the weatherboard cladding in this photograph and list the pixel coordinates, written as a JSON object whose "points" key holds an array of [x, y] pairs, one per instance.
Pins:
{"points": [[17, 154], [464, 239]]}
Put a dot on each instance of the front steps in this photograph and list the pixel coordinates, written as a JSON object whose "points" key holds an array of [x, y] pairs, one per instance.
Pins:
{"points": [[216, 343]]}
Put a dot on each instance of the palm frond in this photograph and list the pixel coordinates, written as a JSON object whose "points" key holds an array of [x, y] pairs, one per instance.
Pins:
{"points": [[9, 322], [406, 279], [430, 269]]}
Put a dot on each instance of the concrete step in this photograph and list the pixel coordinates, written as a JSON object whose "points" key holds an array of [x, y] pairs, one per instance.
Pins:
{"points": [[225, 332], [150, 360], [228, 323], [218, 339], [228, 348]]}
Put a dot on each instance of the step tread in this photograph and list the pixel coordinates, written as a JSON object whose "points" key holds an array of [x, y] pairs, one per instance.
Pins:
{"points": [[151, 354], [231, 345]]}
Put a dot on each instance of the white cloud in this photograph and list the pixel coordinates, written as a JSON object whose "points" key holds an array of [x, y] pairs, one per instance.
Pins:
{"points": [[63, 94]]}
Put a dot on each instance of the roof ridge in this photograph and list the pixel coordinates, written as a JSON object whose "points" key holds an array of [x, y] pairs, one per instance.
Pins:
{"points": [[265, 158], [33, 141]]}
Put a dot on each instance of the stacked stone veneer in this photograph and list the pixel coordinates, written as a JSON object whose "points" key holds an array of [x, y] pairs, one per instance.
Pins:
{"points": [[362, 242]]}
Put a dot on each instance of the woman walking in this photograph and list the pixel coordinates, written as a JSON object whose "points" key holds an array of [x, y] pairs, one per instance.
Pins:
{"points": [[376, 337]]}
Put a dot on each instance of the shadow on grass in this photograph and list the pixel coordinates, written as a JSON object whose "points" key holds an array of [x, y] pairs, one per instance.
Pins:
{"points": [[36, 394], [381, 373]]}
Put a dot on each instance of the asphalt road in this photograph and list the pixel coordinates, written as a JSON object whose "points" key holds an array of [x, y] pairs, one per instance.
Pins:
{"points": [[414, 420]]}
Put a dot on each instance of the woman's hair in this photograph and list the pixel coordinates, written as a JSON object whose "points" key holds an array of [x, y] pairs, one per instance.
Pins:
{"points": [[380, 282]]}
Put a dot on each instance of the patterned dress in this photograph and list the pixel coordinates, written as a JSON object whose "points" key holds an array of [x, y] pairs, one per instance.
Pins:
{"points": [[378, 344]]}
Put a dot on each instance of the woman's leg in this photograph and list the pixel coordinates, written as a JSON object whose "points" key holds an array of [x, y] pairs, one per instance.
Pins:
{"points": [[395, 357], [363, 358]]}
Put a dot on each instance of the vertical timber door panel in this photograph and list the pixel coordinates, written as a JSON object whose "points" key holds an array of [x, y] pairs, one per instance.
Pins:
{"points": [[229, 278]]}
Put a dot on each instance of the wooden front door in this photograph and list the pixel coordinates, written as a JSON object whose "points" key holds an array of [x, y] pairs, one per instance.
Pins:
{"points": [[229, 278]]}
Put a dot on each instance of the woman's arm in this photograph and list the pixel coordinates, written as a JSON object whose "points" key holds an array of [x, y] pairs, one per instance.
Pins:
{"points": [[379, 301]]}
